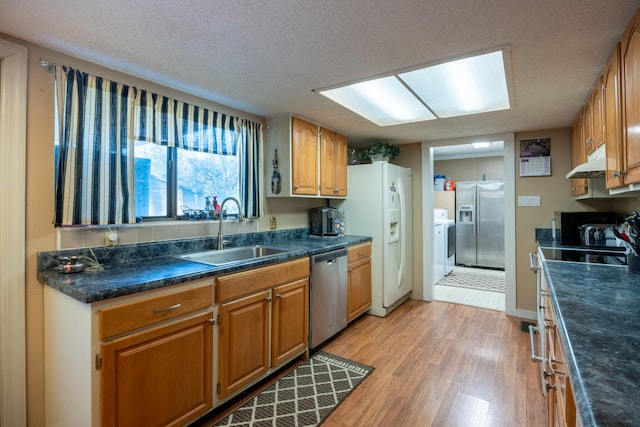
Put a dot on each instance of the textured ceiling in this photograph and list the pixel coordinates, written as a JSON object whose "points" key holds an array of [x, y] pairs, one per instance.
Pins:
{"points": [[266, 57]]}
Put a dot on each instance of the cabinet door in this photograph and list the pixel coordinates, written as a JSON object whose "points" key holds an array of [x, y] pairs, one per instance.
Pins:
{"points": [[304, 157], [161, 376], [341, 165], [578, 185], [631, 106], [333, 163], [359, 288], [597, 118], [612, 123], [290, 319], [244, 341]]}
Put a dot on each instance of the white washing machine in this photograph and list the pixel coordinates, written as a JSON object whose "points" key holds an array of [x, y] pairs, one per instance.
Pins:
{"points": [[439, 237]]}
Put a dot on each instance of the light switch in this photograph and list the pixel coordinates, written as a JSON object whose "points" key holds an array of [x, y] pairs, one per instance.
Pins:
{"points": [[528, 200]]}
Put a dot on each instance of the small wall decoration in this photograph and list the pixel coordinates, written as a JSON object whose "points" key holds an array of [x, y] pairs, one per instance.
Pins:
{"points": [[535, 157], [275, 176]]}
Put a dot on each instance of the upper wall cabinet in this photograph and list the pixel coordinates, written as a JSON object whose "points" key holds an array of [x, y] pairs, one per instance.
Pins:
{"points": [[612, 120], [630, 58], [595, 130], [304, 159], [578, 185]]}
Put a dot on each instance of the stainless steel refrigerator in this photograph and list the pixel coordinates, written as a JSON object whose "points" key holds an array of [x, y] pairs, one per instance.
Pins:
{"points": [[480, 223]]}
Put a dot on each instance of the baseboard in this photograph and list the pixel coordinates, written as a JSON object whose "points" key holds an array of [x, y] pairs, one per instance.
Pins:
{"points": [[524, 314]]}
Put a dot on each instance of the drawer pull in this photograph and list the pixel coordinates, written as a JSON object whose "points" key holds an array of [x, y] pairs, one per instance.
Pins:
{"points": [[164, 310], [534, 356]]}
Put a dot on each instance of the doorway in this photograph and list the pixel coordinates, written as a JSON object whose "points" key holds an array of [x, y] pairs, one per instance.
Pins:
{"points": [[463, 294]]}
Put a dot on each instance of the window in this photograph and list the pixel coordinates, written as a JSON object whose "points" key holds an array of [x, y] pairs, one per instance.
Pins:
{"points": [[124, 153], [197, 176]]}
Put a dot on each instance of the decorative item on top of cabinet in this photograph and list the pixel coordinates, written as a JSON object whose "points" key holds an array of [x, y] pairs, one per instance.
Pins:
{"points": [[630, 84], [359, 280], [264, 314], [313, 159]]}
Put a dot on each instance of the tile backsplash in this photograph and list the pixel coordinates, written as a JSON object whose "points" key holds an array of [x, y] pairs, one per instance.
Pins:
{"points": [[92, 236]]}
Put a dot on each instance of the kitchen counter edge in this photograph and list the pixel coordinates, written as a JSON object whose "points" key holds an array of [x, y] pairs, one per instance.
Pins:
{"points": [[132, 274]]}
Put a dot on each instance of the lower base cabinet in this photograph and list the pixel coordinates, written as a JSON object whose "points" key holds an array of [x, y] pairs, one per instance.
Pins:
{"points": [[561, 407], [159, 377], [358, 280], [143, 359], [263, 322]]}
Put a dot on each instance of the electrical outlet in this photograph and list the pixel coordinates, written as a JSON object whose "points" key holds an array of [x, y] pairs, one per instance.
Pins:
{"points": [[272, 223], [111, 238]]}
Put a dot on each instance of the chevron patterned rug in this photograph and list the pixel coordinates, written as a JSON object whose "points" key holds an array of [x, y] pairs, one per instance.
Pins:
{"points": [[304, 397], [475, 278]]}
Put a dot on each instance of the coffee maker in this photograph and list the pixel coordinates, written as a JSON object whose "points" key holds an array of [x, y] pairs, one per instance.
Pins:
{"points": [[324, 221]]}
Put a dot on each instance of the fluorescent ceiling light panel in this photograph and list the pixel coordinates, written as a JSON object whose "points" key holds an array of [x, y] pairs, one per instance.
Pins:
{"points": [[472, 85], [466, 86], [385, 101], [481, 144]]}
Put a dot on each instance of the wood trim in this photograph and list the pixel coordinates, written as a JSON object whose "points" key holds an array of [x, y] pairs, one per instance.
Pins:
{"points": [[13, 142], [247, 282]]}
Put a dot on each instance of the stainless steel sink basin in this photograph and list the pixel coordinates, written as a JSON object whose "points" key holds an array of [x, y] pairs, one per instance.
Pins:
{"points": [[233, 255]]}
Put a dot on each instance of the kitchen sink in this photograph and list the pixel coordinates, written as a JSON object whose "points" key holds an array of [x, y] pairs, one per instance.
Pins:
{"points": [[234, 255]]}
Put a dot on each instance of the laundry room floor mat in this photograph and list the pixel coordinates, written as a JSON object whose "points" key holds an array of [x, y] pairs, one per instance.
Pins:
{"points": [[305, 396], [475, 278]]}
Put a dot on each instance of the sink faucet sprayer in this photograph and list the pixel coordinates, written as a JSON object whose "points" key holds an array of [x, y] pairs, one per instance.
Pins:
{"points": [[240, 218]]}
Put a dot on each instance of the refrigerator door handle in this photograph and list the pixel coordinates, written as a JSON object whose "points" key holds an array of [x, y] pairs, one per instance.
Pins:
{"points": [[402, 232]]}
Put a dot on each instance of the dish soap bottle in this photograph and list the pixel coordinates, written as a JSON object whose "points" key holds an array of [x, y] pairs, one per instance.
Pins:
{"points": [[216, 206], [207, 204]]}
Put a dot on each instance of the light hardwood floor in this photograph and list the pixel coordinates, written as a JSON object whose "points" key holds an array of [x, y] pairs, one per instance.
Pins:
{"points": [[439, 364]]}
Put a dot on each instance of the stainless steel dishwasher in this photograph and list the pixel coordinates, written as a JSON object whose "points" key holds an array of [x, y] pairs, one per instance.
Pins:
{"points": [[328, 296]]}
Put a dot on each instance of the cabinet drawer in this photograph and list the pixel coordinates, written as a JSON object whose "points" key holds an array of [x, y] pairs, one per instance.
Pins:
{"points": [[127, 317], [250, 281], [358, 252]]}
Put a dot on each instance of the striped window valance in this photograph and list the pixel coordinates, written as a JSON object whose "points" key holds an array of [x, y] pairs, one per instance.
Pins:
{"points": [[99, 122], [174, 123]]}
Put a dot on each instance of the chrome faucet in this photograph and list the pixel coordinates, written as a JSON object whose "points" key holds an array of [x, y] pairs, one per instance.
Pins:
{"points": [[240, 218]]}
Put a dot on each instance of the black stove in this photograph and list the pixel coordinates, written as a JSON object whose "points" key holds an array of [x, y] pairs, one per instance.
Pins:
{"points": [[593, 256]]}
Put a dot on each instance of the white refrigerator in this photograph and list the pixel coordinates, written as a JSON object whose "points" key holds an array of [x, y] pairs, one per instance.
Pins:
{"points": [[379, 205]]}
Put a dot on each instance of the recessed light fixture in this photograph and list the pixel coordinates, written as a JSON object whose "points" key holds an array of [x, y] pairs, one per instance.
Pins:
{"points": [[471, 85]]}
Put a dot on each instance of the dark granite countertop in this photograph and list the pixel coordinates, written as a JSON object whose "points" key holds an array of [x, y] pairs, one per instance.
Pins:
{"points": [[129, 269], [598, 313]]}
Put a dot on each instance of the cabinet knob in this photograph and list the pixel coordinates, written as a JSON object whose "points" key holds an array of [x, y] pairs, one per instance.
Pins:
{"points": [[279, 296], [296, 187], [268, 299]]}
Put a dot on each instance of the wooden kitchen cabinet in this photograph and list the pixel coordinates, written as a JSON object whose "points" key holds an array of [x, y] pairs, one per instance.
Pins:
{"points": [[161, 376], [630, 59], [578, 185], [311, 160], [359, 280], [244, 341], [593, 119], [560, 400], [290, 326], [263, 322], [304, 157], [612, 120], [333, 163], [141, 359]]}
